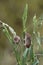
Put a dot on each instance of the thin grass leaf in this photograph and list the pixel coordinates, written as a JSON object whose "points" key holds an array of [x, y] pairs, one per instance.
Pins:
{"points": [[7, 35], [5, 30], [26, 52], [31, 54], [38, 39], [34, 24], [36, 61], [24, 17], [24, 57]]}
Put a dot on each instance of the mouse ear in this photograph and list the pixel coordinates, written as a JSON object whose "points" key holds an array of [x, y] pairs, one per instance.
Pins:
{"points": [[16, 39], [27, 40]]}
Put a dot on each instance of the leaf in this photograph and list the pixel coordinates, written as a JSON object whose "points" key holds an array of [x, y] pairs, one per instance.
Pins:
{"points": [[31, 53], [34, 23], [38, 39], [34, 20], [36, 61], [6, 32], [24, 17], [26, 52]]}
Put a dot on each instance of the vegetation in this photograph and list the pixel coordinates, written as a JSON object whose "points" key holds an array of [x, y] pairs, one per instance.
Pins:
{"points": [[24, 47]]}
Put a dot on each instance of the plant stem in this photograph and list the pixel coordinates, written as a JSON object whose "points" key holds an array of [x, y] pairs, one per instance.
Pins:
{"points": [[11, 41]]}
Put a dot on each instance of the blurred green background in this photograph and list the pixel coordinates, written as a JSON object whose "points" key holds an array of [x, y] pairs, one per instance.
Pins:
{"points": [[11, 12]]}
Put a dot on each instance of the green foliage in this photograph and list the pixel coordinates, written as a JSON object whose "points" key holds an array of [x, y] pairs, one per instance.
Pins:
{"points": [[24, 17], [22, 59]]}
